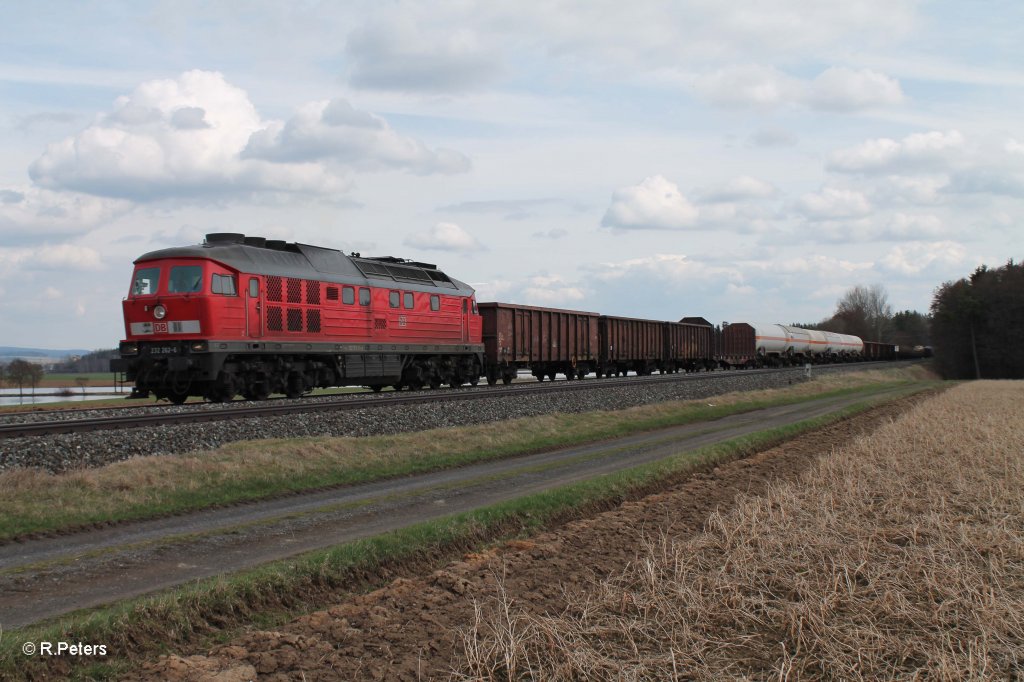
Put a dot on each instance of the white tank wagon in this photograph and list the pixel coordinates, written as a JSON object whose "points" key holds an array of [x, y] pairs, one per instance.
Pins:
{"points": [[786, 344]]}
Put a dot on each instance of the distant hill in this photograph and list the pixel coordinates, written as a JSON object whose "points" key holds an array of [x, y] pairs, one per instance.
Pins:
{"points": [[8, 353]]}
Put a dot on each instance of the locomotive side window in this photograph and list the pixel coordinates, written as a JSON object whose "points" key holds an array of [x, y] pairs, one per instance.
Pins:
{"points": [[364, 297], [223, 284], [146, 281], [475, 311], [254, 288], [395, 299], [408, 300], [435, 302], [348, 295], [185, 279]]}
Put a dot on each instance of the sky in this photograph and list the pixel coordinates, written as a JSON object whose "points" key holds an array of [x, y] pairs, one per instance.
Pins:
{"points": [[738, 161]]}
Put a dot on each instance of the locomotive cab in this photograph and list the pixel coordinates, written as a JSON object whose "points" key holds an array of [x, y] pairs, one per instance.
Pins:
{"points": [[173, 307]]}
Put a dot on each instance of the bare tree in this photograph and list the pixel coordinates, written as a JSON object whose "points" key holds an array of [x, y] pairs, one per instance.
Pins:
{"points": [[19, 372], [865, 312], [82, 383]]}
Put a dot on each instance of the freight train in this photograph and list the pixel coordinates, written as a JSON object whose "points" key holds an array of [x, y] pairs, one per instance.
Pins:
{"points": [[254, 316]]}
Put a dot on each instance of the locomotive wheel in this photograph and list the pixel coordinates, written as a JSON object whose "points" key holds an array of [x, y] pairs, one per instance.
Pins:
{"points": [[177, 398], [491, 380], [507, 379], [475, 380], [296, 386]]}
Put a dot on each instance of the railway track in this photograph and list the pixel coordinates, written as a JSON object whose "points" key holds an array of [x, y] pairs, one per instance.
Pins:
{"points": [[348, 402]]}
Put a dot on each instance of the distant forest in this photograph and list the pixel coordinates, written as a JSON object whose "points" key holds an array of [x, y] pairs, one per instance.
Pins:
{"points": [[95, 361]]}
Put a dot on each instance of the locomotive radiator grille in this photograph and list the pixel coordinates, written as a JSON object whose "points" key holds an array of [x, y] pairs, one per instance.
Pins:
{"points": [[274, 319], [313, 321], [274, 289]]}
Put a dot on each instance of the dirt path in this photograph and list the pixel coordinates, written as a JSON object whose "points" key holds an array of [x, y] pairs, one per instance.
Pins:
{"points": [[409, 630], [47, 577]]}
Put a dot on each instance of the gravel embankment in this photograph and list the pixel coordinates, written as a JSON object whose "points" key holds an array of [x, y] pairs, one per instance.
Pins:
{"points": [[91, 449]]}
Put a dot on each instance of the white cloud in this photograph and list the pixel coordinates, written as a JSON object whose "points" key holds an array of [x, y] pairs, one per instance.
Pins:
{"points": [[737, 189], [335, 131], [931, 151], [912, 259], [654, 204], [749, 85], [444, 237], [198, 136], [773, 137], [836, 89], [30, 214], [49, 257], [832, 202], [551, 290], [843, 89], [397, 53]]}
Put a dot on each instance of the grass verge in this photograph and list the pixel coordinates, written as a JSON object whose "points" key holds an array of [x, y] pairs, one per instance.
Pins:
{"points": [[34, 501], [193, 615]]}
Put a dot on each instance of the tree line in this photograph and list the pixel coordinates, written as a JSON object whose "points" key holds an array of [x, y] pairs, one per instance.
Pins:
{"points": [[978, 325], [865, 311]]}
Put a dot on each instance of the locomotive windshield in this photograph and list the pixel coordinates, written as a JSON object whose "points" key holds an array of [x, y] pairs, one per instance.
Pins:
{"points": [[185, 279], [146, 281]]}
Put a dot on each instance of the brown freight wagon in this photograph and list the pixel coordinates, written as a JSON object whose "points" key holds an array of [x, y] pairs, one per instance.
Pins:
{"points": [[689, 345], [736, 346], [629, 344], [876, 350], [546, 341]]}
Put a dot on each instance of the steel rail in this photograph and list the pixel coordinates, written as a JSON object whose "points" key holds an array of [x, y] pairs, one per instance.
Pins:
{"points": [[278, 408]]}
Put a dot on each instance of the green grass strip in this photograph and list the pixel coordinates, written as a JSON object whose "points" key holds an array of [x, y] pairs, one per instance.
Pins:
{"points": [[32, 502], [275, 593]]}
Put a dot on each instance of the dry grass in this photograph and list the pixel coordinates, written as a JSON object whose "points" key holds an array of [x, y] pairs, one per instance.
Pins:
{"points": [[35, 500], [900, 556]]}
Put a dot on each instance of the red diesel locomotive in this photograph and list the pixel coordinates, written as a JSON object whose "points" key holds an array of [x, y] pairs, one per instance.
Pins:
{"points": [[253, 316]]}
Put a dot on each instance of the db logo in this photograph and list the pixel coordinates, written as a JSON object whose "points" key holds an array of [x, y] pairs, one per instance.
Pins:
{"points": [[159, 327]]}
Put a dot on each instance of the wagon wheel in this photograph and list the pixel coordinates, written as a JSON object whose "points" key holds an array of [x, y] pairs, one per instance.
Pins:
{"points": [[490, 380], [552, 375], [376, 388], [507, 379]]}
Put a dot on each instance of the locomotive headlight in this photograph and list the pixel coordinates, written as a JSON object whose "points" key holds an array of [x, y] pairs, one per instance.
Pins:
{"points": [[159, 312], [199, 346], [129, 348]]}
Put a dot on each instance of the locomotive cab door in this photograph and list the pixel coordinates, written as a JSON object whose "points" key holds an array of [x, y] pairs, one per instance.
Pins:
{"points": [[254, 308], [465, 320]]}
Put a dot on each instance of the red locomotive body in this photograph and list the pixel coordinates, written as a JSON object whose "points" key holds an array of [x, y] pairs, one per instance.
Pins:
{"points": [[246, 315]]}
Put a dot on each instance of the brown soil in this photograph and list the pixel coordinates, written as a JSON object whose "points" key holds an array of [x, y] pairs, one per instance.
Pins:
{"points": [[410, 629]]}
